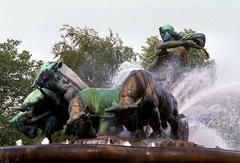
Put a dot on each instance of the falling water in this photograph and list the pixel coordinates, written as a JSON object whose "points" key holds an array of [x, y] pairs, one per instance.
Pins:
{"points": [[212, 107], [123, 71]]}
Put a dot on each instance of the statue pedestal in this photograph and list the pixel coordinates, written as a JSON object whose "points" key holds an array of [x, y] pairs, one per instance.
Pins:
{"points": [[114, 149], [116, 140]]}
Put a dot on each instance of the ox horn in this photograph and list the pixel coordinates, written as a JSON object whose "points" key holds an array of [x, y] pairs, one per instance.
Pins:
{"points": [[119, 107]]}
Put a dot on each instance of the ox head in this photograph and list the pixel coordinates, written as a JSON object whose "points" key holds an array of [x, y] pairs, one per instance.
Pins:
{"points": [[77, 107], [77, 114], [47, 73]]}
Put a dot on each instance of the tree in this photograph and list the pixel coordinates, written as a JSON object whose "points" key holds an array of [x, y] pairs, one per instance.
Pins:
{"points": [[17, 74], [148, 55], [95, 59]]}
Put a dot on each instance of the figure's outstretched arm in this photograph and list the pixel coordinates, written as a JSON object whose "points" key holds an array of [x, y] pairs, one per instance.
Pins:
{"points": [[163, 46], [174, 44]]}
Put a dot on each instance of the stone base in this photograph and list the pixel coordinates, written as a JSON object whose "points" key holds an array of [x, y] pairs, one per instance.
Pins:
{"points": [[116, 140]]}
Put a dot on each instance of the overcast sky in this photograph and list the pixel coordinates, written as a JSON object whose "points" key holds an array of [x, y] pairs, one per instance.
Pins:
{"points": [[37, 23]]}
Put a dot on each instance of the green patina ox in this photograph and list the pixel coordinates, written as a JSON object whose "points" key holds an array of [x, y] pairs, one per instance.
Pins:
{"points": [[40, 109], [88, 116], [47, 106]]}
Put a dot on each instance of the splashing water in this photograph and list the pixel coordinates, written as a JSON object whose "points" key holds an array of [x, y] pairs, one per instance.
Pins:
{"points": [[216, 109], [211, 107], [45, 141], [19, 142], [124, 71]]}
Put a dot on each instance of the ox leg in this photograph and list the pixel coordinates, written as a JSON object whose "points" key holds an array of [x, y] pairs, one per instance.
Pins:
{"points": [[133, 123], [104, 127], [174, 123], [109, 127], [156, 124], [139, 133], [49, 128], [183, 130], [28, 130]]}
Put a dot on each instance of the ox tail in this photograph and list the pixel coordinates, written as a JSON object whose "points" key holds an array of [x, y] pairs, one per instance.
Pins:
{"points": [[120, 107]]}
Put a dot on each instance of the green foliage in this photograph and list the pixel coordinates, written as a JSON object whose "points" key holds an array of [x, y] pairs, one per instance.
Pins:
{"points": [[149, 52], [59, 137], [95, 59], [196, 57], [17, 73], [9, 134]]}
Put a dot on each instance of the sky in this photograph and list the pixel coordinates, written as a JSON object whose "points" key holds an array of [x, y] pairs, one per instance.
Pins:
{"points": [[37, 23]]}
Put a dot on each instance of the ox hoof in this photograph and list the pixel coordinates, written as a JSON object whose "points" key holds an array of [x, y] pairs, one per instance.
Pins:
{"points": [[175, 137], [155, 135], [138, 134], [184, 130]]}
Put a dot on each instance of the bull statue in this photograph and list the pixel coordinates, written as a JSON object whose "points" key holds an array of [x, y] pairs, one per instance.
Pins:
{"points": [[142, 101], [40, 110], [87, 113], [48, 105]]}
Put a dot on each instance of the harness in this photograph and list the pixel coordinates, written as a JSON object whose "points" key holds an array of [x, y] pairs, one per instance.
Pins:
{"points": [[85, 114], [40, 117]]}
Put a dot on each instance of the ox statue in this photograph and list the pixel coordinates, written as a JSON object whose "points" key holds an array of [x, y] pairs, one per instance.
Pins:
{"points": [[144, 102], [47, 106], [87, 113], [40, 111]]}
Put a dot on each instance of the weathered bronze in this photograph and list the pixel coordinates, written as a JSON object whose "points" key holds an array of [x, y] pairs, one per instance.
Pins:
{"points": [[47, 106], [88, 116], [172, 54], [142, 101], [41, 111]]}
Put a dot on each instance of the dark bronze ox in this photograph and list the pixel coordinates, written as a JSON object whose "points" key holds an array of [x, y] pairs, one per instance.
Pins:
{"points": [[143, 102], [63, 84]]}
